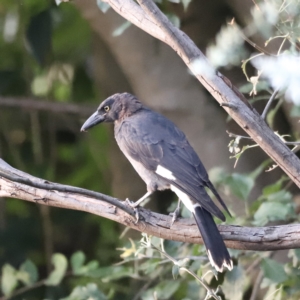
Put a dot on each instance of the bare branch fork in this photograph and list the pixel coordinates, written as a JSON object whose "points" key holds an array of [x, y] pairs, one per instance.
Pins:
{"points": [[20, 185], [264, 116], [149, 18]]}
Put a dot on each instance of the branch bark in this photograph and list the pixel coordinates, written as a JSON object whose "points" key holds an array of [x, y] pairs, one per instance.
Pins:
{"points": [[42, 192], [149, 18]]}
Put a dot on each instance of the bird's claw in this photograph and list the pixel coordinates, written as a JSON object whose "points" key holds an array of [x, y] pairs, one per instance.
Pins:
{"points": [[132, 205]]}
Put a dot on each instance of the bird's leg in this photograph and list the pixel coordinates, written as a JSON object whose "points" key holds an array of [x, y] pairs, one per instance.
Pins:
{"points": [[176, 212], [137, 203]]}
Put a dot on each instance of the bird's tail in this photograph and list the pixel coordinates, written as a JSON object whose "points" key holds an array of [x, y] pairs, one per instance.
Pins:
{"points": [[213, 241]]}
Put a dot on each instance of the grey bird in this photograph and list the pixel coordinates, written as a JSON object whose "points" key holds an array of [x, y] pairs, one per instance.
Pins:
{"points": [[161, 154]]}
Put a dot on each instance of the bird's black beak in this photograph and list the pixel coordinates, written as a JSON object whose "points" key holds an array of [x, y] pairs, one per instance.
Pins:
{"points": [[92, 121]]}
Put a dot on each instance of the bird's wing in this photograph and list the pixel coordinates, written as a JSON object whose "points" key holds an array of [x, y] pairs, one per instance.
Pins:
{"points": [[160, 146]]}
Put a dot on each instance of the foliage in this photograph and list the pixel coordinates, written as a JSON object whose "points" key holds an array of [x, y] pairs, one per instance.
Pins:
{"points": [[28, 276]]}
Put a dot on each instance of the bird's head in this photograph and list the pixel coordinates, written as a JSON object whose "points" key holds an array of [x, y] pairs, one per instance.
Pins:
{"points": [[114, 108]]}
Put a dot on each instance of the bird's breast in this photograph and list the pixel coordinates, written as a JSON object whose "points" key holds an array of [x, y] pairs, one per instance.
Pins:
{"points": [[152, 180]]}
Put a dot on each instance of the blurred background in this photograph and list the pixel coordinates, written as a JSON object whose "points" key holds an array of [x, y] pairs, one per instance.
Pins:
{"points": [[57, 63]]}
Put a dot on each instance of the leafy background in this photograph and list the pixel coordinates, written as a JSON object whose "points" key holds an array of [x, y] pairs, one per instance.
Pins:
{"points": [[62, 56]]}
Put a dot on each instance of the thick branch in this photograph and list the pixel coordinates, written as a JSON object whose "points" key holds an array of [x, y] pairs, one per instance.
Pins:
{"points": [[184, 230], [14, 175], [150, 19]]}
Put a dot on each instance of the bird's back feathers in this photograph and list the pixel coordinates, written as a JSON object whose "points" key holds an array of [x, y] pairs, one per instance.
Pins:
{"points": [[153, 140]]}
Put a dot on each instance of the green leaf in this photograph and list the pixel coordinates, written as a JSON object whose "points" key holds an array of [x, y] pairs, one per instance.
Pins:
{"points": [[254, 174], [273, 211], [175, 271], [88, 292], [103, 6], [60, 267], [40, 86], [61, 91], [186, 4], [274, 292], [174, 19], [111, 273], [28, 272], [234, 284], [281, 196], [295, 112], [240, 185], [78, 267], [164, 290], [92, 265], [60, 1], [77, 261], [9, 279], [270, 117], [275, 187], [183, 262], [247, 87], [156, 241], [149, 265], [121, 29], [295, 255], [273, 270]]}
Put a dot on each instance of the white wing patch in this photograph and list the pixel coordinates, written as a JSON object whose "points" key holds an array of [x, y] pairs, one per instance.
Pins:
{"points": [[164, 172], [184, 198]]}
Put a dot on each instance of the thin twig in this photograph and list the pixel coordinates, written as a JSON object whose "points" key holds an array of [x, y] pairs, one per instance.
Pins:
{"points": [[31, 287], [230, 134], [210, 292], [45, 105], [141, 257], [253, 265], [256, 285], [24, 289], [143, 288], [292, 143], [273, 96]]}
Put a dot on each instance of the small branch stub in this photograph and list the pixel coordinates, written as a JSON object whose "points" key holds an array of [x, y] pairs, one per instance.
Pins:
{"points": [[229, 105]]}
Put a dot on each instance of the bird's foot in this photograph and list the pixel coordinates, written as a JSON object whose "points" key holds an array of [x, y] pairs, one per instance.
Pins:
{"points": [[134, 206], [175, 215]]}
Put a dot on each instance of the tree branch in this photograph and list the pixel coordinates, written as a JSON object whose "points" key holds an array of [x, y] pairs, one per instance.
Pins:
{"points": [[14, 175], [20, 185], [266, 110], [17, 184], [44, 105], [149, 18]]}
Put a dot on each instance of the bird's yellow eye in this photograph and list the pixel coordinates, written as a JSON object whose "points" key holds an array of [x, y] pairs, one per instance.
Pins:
{"points": [[106, 108]]}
